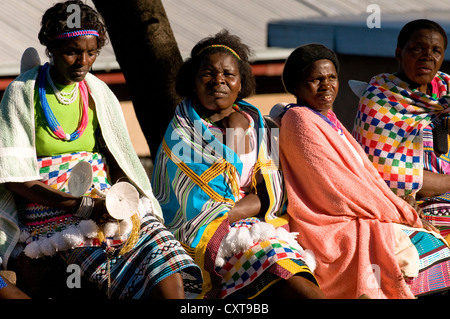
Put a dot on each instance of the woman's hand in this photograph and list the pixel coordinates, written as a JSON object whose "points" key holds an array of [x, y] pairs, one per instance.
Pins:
{"points": [[100, 213], [38, 192], [413, 203], [426, 224], [251, 205]]}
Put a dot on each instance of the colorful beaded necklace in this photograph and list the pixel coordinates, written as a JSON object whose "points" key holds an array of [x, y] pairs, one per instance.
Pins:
{"points": [[52, 122]]}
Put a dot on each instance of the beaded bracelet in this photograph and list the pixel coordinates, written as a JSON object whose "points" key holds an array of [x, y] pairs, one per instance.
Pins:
{"points": [[86, 207]]}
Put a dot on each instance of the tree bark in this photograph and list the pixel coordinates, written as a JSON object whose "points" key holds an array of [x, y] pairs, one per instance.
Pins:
{"points": [[149, 58]]}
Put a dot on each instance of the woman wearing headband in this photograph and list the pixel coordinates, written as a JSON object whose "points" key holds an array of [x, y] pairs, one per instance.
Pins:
{"points": [[218, 181], [53, 117]]}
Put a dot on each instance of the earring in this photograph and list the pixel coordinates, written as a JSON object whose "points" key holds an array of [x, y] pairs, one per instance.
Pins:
{"points": [[50, 56]]}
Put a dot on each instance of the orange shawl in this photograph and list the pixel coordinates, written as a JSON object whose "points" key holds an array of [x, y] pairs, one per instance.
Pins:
{"points": [[342, 209]]}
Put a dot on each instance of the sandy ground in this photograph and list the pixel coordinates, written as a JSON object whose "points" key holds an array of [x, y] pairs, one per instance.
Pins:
{"points": [[262, 101]]}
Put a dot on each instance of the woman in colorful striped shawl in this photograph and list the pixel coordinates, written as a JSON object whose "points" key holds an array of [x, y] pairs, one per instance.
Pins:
{"points": [[399, 118], [218, 181], [129, 259]]}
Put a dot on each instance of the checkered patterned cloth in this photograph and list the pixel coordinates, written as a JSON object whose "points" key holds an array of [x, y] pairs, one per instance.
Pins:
{"points": [[389, 125], [41, 221], [55, 170], [244, 269]]}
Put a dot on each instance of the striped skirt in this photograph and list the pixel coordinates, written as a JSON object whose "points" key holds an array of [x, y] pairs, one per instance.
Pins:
{"points": [[437, 211], [154, 256], [434, 264]]}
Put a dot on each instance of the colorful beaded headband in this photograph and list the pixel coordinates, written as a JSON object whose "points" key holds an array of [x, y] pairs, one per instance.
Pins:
{"points": [[220, 46], [77, 33]]}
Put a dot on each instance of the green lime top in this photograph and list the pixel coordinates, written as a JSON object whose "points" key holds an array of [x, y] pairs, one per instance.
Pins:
{"points": [[68, 116]]}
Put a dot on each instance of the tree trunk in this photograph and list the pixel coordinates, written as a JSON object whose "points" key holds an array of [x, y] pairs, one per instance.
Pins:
{"points": [[149, 58]]}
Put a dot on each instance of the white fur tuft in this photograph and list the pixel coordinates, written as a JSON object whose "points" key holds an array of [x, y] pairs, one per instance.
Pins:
{"points": [[72, 237], [241, 239], [110, 229], [57, 242], [262, 231], [88, 228], [46, 248], [310, 259], [125, 227], [32, 250]]}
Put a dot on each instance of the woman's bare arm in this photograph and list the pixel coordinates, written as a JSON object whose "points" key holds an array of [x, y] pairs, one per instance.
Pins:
{"points": [[434, 184], [251, 205], [38, 192]]}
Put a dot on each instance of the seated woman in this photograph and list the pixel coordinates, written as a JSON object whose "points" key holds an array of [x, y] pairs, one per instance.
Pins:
{"points": [[224, 200], [399, 118], [136, 258], [366, 239]]}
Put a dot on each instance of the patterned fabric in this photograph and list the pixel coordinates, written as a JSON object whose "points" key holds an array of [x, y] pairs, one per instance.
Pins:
{"points": [[389, 125], [196, 179], [243, 268], [331, 117], [55, 170], [2, 283], [18, 162], [38, 222], [437, 208], [432, 162], [154, 257], [248, 159], [434, 264], [437, 212], [189, 150]]}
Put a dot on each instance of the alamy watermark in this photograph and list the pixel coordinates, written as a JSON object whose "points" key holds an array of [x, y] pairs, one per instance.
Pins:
{"points": [[373, 280], [374, 19], [74, 19], [213, 146], [74, 279]]}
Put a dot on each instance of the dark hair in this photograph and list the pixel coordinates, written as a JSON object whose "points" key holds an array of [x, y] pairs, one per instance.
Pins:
{"points": [[420, 24], [300, 60], [54, 22], [185, 81]]}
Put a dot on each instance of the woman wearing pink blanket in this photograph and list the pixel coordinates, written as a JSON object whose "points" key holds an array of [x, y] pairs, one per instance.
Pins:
{"points": [[365, 238]]}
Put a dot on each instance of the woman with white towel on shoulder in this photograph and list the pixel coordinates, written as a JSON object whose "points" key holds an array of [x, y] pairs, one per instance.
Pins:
{"points": [[54, 116]]}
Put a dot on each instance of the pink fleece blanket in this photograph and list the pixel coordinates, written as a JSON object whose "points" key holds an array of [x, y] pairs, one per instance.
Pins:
{"points": [[342, 209]]}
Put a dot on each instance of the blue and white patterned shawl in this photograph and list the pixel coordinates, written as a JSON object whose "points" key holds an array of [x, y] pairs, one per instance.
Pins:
{"points": [[196, 176]]}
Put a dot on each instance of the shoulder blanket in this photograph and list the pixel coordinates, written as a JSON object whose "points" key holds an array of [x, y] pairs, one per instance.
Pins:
{"points": [[196, 180], [342, 209], [389, 125], [18, 162]]}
